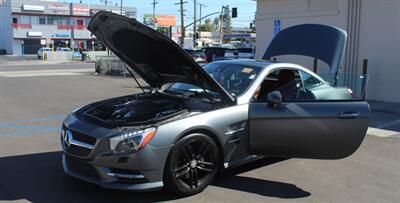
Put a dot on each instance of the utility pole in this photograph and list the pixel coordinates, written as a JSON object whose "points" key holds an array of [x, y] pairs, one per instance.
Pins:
{"points": [[182, 22], [154, 13], [221, 21], [201, 6], [121, 7], [195, 23]]}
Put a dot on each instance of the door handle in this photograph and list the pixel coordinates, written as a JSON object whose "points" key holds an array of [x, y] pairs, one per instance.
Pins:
{"points": [[348, 115]]}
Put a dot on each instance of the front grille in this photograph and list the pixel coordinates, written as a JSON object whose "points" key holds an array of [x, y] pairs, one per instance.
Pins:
{"points": [[81, 167], [79, 151], [83, 149], [83, 138]]}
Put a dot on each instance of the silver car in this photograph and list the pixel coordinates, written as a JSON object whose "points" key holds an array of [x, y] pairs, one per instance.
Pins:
{"points": [[197, 121]]}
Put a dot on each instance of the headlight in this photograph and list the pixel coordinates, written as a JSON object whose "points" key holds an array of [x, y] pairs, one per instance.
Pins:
{"points": [[132, 141]]}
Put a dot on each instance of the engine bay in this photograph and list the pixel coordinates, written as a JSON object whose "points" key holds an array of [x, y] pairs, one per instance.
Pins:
{"points": [[142, 109]]}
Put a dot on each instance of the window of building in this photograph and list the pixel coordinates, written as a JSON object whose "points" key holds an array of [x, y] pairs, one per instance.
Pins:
{"points": [[65, 21], [25, 19], [54, 20], [34, 20], [42, 20], [79, 22]]}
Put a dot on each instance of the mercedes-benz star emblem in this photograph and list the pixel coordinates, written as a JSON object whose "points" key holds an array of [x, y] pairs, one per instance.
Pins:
{"points": [[67, 139]]}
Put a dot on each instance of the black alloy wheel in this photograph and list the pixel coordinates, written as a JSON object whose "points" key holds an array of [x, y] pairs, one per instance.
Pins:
{"points": [[192, 165]]}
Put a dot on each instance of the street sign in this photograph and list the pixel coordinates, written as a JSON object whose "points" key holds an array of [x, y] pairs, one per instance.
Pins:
{"points": [[42, 42], [277, 26]]}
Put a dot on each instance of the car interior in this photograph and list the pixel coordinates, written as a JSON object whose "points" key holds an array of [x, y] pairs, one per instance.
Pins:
{"points": [[288, 83]]}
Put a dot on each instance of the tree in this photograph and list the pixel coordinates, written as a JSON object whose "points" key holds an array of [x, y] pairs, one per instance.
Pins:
{"points": [[253, 23], [227, 20], [207, 26], [163, 30], [215, 24]]}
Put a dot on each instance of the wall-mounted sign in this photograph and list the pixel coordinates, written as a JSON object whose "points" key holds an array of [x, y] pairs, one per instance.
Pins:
{"points": [[34, 34], [166, 20], [80, 9], [58, 7], [277, 26], [26, 7], [64, 35]]}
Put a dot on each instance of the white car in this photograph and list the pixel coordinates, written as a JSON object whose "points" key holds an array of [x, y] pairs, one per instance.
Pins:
{"points": [[42, 50], [64, 49]]}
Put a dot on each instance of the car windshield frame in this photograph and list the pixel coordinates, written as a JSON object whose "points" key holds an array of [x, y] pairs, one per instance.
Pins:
{"points": [[251, 71]]}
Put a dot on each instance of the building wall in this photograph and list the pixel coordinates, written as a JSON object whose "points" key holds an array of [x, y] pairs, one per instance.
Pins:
{"points": [[66, 15], [380, 44], [6, 31], [373, 34]]}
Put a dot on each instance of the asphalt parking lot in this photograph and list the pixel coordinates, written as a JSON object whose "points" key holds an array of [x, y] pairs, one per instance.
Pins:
{"points": [[32, 107]]}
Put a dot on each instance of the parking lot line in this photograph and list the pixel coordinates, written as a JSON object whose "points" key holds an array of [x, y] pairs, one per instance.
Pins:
{"points": [[33, 73]]}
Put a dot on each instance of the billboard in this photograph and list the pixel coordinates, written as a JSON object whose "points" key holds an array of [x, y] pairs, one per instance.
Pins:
{"points": [[166, 20]]}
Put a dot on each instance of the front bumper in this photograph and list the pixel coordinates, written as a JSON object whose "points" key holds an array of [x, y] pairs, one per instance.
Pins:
{"points": [[140, 171], [87, 157], [110, 182]]}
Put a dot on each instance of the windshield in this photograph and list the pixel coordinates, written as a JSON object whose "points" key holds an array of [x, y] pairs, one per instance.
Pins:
{"points": [[234, 78]]}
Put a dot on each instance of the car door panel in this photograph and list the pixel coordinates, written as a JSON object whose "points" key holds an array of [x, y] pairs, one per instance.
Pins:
{"points": [[318, 130]]}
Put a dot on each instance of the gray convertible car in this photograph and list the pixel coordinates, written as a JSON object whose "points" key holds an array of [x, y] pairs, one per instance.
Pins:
{"points": [[193, 122]]}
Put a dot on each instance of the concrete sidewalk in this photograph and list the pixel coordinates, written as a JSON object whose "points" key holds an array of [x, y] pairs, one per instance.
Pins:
{"points": [[385, 119], [26, 60]]}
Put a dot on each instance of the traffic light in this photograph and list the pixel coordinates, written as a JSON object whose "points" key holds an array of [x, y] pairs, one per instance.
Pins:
{"points": [[234, 12]]}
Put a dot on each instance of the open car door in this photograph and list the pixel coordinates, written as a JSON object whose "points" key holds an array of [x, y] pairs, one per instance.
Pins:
{"points": [[317, 130]]}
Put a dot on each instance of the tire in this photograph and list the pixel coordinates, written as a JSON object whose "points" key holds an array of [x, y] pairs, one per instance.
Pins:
{"points": [[191, 165]]}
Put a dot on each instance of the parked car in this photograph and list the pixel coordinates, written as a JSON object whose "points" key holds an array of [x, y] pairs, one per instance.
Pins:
{"points": [[214, 53], [197, 121], [64, 49], [197, 55], [42, 50]]}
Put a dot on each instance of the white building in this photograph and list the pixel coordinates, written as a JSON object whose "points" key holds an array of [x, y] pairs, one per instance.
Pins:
{"points": [[24, 23], [373, 28]]}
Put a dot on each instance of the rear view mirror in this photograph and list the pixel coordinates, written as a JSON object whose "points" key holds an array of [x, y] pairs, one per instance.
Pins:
{"points": [[274, 99]]}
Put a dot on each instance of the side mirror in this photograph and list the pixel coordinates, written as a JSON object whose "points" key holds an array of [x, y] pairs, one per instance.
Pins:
{"points": [[274, 99]]}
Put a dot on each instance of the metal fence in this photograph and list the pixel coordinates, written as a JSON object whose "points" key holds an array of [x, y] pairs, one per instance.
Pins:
{"points": [[110, 65]]}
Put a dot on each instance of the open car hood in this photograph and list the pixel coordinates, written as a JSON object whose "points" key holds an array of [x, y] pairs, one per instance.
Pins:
{"points": [[323, 42], [155, 57]]}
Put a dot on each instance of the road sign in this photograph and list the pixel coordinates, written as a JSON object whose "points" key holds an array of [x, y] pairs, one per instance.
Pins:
{"points": [[277, 26], [42, 42]]}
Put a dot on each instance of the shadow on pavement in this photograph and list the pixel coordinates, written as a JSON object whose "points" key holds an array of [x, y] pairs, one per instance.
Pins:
{"points": [[230, 180], [40, 178]]}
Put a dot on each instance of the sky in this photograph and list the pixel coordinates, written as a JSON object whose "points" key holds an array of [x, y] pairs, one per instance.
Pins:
{"points": [[246, 8]]}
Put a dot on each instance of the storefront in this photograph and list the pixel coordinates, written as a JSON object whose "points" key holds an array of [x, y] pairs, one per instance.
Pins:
{"points": [[30, 46]]}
